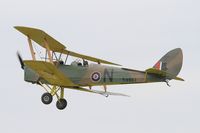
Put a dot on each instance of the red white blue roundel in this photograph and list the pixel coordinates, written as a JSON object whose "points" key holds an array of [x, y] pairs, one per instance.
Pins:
{"points": [[96, 76]]}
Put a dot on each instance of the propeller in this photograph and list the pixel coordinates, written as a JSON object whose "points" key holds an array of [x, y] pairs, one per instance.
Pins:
{"points": [[20, 60]]}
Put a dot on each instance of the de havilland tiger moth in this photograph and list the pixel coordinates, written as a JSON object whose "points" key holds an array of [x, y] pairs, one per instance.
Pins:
{"points": [[54, 74]]}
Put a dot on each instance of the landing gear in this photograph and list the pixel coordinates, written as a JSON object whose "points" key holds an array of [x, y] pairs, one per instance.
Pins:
{"points": [[105, 89], [167, 82], [47, 98], [61, 104], [53, 91]]}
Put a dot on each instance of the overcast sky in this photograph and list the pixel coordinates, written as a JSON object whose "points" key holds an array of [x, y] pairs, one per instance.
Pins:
{"points": [[134, 33]]}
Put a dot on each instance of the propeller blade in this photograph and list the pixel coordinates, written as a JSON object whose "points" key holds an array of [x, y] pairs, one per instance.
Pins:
{"points": [[20, 60]]}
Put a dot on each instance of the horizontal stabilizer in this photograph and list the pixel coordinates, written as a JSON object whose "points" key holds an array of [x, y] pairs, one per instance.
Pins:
{"points": [[163, 74]]}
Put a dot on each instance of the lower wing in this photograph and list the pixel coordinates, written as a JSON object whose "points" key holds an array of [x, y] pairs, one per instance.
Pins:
{"points": [[98, 92], [49, 72]]}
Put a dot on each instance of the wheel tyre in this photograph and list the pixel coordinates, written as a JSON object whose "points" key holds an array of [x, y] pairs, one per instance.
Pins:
{"points": [[46, 98], [61, 104]]}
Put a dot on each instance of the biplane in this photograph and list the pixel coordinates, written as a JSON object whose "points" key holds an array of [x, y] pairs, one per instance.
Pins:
{"points": [[54, 73]]}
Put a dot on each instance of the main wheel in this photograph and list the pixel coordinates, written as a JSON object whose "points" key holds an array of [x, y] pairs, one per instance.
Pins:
{"points": [[47, 98], [61, 104]]}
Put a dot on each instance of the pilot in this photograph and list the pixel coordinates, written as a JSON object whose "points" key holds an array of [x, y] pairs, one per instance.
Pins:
{"points": [[61, 62], [85, 63], [79, 63]]}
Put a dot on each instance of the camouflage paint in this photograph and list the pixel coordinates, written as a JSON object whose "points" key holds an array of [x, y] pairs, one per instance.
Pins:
{"points": [[97, 74]]}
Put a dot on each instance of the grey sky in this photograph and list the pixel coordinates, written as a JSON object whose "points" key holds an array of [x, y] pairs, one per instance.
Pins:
{"points": [[133, 33]]}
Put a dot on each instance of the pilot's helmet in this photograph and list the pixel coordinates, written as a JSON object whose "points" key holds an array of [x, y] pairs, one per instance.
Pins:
{"points": [[85, 63], [75, 63]]}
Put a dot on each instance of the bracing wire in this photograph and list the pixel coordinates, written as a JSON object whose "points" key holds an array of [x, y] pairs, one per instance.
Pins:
{"points": [[37, 51]]}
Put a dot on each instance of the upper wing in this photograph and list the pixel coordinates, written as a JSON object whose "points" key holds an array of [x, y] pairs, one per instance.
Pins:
{"points": [[49, 72], [40, 36], [90, 58]]}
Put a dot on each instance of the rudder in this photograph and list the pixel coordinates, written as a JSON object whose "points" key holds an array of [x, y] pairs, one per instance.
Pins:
{"points": [[171, 62]]}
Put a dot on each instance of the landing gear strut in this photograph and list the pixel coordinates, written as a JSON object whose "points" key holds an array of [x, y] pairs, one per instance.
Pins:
{"points": [[167, 82], [47, 97], [61, 103]]}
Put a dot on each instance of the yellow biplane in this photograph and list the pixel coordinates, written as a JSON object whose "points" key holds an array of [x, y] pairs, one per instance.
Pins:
{"points": [[54, 74]]}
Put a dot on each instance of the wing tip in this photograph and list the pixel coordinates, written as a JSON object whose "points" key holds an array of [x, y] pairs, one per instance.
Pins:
{"points": [[19, 28]]}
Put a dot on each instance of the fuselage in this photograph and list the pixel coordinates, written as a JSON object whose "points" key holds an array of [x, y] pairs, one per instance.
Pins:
{"points": [[96, 75]]}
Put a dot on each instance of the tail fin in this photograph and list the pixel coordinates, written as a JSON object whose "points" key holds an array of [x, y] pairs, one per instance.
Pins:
{"points": [[169, 65]]}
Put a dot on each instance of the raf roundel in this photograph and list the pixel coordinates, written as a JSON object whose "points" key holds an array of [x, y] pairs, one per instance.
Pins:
{"points": [[96, 76]]}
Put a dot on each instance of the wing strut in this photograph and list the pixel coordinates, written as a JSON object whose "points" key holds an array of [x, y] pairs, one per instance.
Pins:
{"points": [[48, 50], [31, 48]]}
